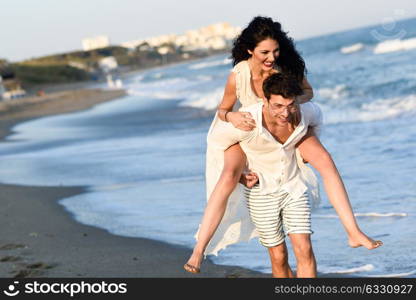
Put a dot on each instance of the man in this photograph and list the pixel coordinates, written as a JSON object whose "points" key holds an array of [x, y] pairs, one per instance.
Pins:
{"points": [[279, 203]]}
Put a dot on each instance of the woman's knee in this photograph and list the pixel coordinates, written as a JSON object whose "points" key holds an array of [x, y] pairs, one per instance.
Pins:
{"points": [[234, 163], [231, 175]]}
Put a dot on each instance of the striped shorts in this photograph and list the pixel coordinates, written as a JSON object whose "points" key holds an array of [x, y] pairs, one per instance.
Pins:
{"points": [[276, 213]]}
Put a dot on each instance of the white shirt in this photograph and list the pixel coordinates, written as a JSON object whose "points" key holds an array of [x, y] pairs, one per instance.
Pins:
{"points": [[278, 166], [275, 163]]}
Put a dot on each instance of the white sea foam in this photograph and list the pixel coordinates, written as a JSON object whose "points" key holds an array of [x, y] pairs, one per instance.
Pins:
{"points": [[206, 101], [163, 95], [172, 88], [334, 93], [369, 214], [210, 64], [395, 45], [352, 48], [396, 275], [364, 268], [377, 110]]}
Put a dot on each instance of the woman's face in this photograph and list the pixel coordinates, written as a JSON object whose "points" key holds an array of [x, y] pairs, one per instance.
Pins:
{"points": [[265, 54]]}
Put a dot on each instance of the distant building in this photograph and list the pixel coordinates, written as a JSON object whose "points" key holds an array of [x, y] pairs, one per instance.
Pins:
{"points": [[97, 42], [216, 36]]}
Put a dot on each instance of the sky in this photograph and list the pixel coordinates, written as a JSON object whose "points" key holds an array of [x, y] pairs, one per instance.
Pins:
{"points": [[32, 28]]}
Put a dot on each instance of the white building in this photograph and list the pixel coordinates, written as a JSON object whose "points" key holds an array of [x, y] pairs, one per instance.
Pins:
{"points": [[216, 36], [97, 42]]}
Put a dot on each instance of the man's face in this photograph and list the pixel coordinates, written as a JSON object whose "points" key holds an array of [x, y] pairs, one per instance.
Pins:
{"points": [[280, 109]]}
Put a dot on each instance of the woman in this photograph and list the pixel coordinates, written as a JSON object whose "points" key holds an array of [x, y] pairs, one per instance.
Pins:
{"points": [[260, 50]]}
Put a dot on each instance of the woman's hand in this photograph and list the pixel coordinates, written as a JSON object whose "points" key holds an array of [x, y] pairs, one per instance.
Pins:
{"points": [[241, 120], [249, 179]]}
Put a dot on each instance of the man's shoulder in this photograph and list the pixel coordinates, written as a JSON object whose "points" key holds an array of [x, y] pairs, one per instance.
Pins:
{"points": [[310, 111], [309, 107]]}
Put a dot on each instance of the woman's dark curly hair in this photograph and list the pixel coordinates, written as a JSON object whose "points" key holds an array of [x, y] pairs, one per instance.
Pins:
{"points": [[260, 29]]}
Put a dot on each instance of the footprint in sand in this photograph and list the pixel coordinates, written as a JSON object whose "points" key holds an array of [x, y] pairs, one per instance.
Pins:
{"points": [[32, 270], [10, 258], [12, 246]]}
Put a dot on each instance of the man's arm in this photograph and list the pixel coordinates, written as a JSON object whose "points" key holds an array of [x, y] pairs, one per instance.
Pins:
{"points": [[313, 151]]}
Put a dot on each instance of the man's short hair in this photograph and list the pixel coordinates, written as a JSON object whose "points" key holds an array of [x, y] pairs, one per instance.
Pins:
{"points": [[282, 84]]}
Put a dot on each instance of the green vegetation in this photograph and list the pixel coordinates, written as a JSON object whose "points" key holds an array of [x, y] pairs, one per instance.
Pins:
{"points": [[35, 74]]}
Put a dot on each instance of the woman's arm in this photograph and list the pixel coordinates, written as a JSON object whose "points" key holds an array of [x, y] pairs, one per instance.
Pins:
{"points": [[314, 152], [240, 120], [307, 92], [229, 98]]}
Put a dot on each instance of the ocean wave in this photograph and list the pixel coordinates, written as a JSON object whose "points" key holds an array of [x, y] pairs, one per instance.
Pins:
{"points": [[210, 64], [396, 275], [377, 110], [172, 88], [352, 48], [206, 101], [364, 268], [395, 45], [156, 95], [334, 93], [369, 214]]}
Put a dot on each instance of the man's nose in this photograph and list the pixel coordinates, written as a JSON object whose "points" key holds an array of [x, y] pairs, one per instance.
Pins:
{"points": [[285, 112]]}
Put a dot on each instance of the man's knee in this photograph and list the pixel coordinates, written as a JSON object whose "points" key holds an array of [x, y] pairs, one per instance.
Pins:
{"points": [[303, 249], [278, 255]]}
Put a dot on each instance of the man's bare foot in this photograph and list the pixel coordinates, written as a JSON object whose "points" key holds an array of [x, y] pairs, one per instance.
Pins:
{"points": [[193, 264], [361, 239]]}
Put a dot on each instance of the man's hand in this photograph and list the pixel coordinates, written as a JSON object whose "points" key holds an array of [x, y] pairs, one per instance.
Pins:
{"points": [[249, 179]]}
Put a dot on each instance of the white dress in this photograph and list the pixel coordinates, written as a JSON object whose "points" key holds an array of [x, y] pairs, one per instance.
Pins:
{"points": [[236, 225]]}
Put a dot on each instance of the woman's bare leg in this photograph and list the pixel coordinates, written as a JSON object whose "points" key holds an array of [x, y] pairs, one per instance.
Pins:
{"points": [[234, 164], [312, 151]]}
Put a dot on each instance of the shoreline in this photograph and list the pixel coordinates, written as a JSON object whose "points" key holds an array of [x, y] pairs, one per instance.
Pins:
{"points": [[39, 238]]}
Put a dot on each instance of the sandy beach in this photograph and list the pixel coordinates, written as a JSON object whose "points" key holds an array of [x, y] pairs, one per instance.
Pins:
{"points": [[40, 239]]}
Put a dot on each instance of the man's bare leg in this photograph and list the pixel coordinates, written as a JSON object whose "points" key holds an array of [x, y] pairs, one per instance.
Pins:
{"points": [[306, 263], [280, 261]]}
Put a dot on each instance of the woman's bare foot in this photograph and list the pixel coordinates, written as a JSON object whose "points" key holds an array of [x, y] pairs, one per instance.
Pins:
{"points": [[193, 264], [361, 239]]}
